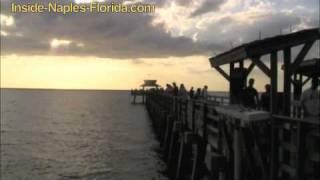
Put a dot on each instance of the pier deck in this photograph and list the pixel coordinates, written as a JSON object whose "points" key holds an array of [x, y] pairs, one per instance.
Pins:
{"points": [[209, 139]]}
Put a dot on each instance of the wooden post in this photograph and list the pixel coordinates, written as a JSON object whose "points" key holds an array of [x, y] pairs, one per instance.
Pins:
{"points": [[274, 81], [232, 99], [205, 124], [274, 110], [287, 83], [193, 115], [134, 98], [143, 94], [296, 93], [241, 64], [237, 150], [301, 150]]}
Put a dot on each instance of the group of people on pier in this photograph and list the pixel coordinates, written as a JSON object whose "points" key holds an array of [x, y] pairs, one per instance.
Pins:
{"points": [[250, 98], [181, 91], [309, 100]]}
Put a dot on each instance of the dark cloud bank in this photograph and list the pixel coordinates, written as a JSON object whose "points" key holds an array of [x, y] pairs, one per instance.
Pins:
{"points": [[103, 35], [118, 35]]}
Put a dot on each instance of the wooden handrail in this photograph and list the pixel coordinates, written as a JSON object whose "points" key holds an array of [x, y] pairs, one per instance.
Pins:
{"points": [[310, 120]]}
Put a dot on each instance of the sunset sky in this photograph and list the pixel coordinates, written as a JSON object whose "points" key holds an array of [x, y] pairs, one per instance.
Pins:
{"points": [[119, 51]]}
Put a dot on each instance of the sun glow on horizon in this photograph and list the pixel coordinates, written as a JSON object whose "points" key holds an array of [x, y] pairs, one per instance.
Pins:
{"points": [[68, 72]]}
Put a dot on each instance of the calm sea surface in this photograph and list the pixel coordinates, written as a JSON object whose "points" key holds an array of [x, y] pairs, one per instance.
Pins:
{"points": [[56, 134]]}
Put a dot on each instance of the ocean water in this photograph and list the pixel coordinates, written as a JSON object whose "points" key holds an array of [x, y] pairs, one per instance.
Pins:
{"points": [[58, 134]]}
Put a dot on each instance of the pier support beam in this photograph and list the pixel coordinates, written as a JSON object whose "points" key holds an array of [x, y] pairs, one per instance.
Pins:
{"points": [[237, 152], [274, 81], [287, 81], [274, 110]]}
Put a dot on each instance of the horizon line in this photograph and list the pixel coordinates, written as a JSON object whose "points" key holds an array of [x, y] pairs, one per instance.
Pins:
{"points": [[70, 89]]}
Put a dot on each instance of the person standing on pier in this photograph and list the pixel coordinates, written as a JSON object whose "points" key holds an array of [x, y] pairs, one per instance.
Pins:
{"points": [[168, 90], [198, 94], [182, 91], [310, 99], [265, 98], [251, 98], [175, 89], [205, 92], [191, 93]]}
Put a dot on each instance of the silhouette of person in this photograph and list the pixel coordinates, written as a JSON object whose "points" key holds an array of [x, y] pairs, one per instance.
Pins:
{"points": [[198, 94], [265, 98], [191, 93], [169, 90], [182, 91], [205, 92], [251, 98], [175, 89], [310, 99]]}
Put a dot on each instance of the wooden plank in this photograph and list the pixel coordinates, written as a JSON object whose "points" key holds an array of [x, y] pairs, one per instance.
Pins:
{"points": [[250, 68], [289, 170], [315, 134], [265, 46], [289, 147], [277, 43], [286, 81], [213, 130], [310, 121], [262, 66], [301, 143], [300, 57], [315, 157], [234, 55], [309, 68], [274, 81], [214, 142], [274, 131], [231, 95], [213, 117], [241, 64], [221, 71], [274, 150], [306, 81]]}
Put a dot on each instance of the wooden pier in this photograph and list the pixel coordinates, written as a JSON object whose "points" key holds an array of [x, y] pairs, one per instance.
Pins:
{"points": [[220, 139], [147, 85], [209, 140]]}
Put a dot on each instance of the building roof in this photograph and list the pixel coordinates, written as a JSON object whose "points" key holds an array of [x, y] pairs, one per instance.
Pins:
{"points": [[265, 46], [150, 83]]}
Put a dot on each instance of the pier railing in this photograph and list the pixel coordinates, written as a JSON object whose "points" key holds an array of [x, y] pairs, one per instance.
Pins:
{"points": [[218, 99], [207, 138], [295, 148]]}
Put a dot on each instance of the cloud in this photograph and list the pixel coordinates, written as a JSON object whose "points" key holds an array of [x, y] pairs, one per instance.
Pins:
{"points": [[56, 43], [179, 28], [207, 6], [6, 20], [4, 33], [240, 28], [104, 35]]}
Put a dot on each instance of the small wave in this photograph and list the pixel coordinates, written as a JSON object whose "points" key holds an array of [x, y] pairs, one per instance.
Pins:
{"points": [[3, 131], [91, 173], [8, 144]]}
